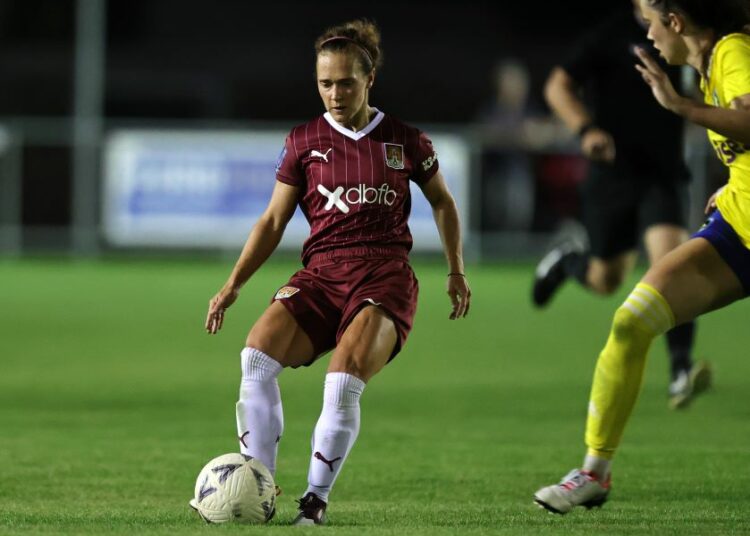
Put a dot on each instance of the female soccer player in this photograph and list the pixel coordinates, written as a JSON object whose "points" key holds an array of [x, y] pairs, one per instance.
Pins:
{"points": [[710, 270], [349, 171]]}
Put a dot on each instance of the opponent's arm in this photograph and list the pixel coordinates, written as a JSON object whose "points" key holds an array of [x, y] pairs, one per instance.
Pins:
{"points": [[732, 122], [446, 218], [262, 241], [561, 93]]}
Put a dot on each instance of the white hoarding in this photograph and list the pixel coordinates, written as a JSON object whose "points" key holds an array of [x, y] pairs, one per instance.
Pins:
{"points": [[206, 189]]}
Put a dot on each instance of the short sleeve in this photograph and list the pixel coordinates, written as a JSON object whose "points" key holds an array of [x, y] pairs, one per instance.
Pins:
{"points": [[288, 167], [733, 64], [425, 159]]}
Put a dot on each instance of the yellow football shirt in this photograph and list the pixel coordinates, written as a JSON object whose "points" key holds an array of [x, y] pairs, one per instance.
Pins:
{"points": [[729, 78]]}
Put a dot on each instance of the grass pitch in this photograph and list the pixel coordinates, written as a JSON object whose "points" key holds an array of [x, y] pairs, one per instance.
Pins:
{"points": [[112, 398]]}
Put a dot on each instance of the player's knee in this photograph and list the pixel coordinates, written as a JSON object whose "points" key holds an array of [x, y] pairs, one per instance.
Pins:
{"points": [[625, 323], [261, 341], [258, 365], [352, 364]]}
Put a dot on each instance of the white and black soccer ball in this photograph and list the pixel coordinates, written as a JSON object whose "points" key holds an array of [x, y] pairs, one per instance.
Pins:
{"points": [[234, 487]]}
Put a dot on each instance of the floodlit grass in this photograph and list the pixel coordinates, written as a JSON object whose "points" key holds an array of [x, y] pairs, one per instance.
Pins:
{"points": [[112, 398]]}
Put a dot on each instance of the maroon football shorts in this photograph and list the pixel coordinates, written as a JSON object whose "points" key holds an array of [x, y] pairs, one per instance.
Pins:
{"points": [[325, 296]]}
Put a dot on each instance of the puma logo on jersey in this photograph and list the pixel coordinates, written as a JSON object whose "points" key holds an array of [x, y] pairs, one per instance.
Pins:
{"points": [[324, 156]]}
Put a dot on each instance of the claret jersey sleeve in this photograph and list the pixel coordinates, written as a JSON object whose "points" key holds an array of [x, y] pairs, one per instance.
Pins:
{"points": [[425, 159], [288, 167]]}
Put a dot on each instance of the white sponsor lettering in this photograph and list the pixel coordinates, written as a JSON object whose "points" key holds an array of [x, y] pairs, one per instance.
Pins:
{"points": [[368, 195], [427, 164], [358, 195], [334, 198]]}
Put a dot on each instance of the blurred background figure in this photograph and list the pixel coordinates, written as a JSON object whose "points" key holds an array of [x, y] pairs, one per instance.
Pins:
{"points": [[514, 127], [637, 180], [508, 189]]}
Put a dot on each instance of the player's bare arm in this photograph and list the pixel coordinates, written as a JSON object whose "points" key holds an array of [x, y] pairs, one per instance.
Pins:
{"points": [[446, 218], [732, 122], [262, 241], [561, 93]]}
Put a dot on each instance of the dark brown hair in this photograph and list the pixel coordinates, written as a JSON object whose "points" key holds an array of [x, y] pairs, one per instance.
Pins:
{"points": [[360, 36], [721, 16]]}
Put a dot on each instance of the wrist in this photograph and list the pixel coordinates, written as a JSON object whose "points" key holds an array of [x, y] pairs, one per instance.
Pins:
{"points": [[682, 106], [232, 286], [588, 126]]}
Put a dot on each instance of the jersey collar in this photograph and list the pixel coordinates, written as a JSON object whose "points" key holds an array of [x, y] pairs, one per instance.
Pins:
{"points": [[359, 134]]}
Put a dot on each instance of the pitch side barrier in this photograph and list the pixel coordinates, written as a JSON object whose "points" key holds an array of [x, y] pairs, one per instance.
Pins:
{"points": [[205, 189]]}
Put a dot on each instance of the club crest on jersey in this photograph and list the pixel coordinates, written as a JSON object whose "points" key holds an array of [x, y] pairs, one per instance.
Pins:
{"points": [[285, 292], [394, 155]]}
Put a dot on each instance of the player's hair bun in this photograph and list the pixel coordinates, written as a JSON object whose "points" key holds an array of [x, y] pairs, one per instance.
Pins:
{"points": [[359, 34]]}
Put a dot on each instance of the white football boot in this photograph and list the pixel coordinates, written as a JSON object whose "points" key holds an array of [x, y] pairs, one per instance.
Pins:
{"points": [[577, 488], [687, 385]]}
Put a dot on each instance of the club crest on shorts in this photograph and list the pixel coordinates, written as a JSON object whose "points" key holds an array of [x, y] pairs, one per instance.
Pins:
{"points": [[394, 155], [285, 292]]}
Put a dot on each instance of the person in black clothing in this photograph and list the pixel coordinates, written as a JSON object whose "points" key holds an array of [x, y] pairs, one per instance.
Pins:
{"points": [[637, 180]]}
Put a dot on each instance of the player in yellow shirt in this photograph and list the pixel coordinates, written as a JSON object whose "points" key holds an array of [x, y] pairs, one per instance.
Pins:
{"points": [[710, 270]]}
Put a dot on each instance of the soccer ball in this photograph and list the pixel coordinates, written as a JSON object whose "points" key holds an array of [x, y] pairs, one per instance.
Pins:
{"points": [[234, 487]]}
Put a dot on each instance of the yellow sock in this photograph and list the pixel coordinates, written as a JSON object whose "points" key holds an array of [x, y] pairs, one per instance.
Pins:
{"points": [[619, 370]]}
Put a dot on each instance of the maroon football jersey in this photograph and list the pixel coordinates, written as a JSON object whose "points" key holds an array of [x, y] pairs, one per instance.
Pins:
{"points": [[354, 186]]}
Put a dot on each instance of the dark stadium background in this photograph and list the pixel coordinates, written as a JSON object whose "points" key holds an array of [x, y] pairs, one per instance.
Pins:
{"points": [[234, 61]]}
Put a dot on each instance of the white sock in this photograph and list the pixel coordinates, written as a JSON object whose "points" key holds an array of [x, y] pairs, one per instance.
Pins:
{"points": [[335, 432], [260, 419], [599, 466]]}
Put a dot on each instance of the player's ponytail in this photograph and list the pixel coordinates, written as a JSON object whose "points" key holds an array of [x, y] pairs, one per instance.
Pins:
{"points": [[361, 36]]}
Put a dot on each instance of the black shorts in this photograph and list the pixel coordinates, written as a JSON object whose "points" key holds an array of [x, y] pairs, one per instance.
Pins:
{"points": [[618, 207]]}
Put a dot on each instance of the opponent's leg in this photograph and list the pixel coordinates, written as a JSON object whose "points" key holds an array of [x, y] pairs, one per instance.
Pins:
{"points": [[686, 378], [363, 350], [688, 281], [566, 260], [602, 276]]}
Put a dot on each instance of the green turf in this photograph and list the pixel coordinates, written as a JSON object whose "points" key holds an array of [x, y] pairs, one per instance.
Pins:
{"points": [[112, 397]]}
